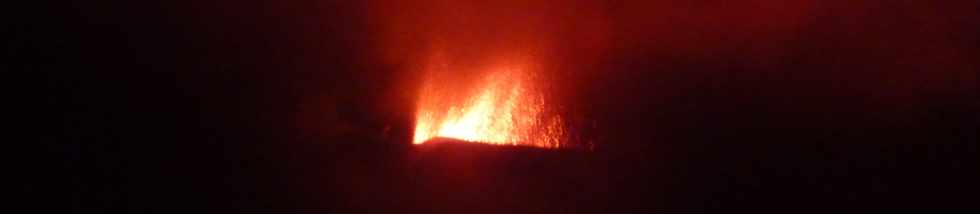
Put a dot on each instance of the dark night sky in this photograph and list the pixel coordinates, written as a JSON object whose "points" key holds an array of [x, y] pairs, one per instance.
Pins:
{"points": [[263, 106]]}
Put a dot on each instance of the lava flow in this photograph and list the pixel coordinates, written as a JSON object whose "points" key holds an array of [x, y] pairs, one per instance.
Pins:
{"points": [[502, 108]]}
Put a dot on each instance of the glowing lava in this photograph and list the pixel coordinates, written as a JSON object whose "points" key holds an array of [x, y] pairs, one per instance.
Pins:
{"points": [[503, 108]]}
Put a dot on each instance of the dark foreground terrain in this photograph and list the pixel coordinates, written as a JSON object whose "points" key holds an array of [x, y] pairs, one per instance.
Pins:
{"points": [[452, 177]]}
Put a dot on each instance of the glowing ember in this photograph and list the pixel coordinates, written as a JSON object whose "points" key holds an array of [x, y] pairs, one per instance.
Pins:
{"points": [[502, 109]]}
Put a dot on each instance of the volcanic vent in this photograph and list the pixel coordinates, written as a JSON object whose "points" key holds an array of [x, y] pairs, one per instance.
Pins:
{"points": [[503, 105]]}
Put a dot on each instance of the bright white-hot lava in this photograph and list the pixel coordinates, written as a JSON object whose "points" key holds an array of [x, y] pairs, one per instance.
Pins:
{"points": [[502, 108]]}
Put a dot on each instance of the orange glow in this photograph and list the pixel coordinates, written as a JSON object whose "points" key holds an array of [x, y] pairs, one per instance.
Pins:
{"points": [[503, 108]]}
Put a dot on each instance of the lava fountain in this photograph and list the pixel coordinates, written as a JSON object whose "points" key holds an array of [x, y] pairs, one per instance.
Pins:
{"points": [[503, 106]]}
